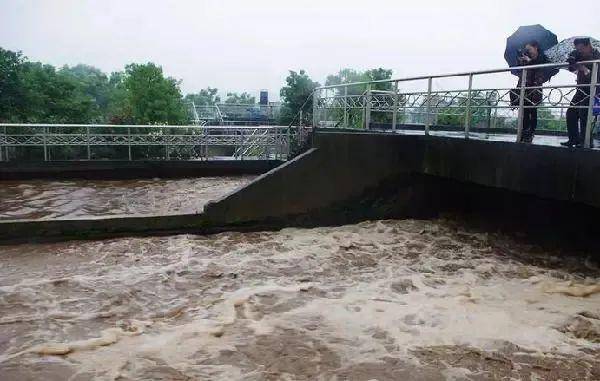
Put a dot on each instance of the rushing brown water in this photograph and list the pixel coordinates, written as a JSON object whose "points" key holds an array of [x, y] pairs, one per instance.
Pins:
{"points": [[382, 300], [80, 198]]}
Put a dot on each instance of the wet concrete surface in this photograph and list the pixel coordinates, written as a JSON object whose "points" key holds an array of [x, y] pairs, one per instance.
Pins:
{"points": [[547, 140]]}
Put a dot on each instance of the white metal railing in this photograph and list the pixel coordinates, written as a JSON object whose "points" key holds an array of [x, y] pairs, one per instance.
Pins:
{"points": [[132, 142], [414, 100], [235, 114]]}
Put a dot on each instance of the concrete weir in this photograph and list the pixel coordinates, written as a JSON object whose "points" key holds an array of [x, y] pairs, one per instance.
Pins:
{"points": [[350, 176]]}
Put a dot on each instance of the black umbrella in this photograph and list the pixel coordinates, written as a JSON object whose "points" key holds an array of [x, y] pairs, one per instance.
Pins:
{"points": [[521, 37]]}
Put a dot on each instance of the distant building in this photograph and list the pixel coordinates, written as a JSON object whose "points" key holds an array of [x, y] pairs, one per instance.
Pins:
{"points": [[264, 97]]}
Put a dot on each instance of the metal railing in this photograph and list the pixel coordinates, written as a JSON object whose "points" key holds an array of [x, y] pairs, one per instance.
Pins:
{"points": [[49, 142], [235, 114], [405, 101]]}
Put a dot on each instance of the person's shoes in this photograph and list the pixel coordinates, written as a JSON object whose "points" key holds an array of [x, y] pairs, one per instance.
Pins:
{"points": [[568, 143]]}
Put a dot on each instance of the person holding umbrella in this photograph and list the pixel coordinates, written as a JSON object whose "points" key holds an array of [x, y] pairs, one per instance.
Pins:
{"points": [[576, 114], [525, 47], [534, 79]]}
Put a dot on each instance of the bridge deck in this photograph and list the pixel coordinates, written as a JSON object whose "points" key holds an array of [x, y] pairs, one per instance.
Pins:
{"points": [[547, 140]]}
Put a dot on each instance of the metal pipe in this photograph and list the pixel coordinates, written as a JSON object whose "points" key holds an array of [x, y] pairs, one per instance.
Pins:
{"points": [[395, 112], [428, 106], [590, 115], [460, 74], [368, 108], [345, 106], [287, 142], [468, 107], [521, 105], [89, 155], [4, 157], [315, 108], [129, 142], [45, 145]]}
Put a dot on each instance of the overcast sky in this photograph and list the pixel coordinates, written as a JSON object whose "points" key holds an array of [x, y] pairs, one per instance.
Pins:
{"points": [[238, 45]]}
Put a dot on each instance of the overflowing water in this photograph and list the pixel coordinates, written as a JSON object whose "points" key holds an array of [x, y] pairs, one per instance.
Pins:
{"points": [[39, 199], [381, 300]]}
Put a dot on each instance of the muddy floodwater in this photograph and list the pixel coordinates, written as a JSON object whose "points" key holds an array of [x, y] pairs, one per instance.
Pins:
{"points": [[381, 300], [40, 199]]}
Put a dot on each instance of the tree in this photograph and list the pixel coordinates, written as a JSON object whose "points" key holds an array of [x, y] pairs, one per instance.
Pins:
{"points": [[351, 76], [51, 97], [11, 95], [241, 99], [296, 95], [153, 99], [118, 108], [205, 97], [93, 83]]}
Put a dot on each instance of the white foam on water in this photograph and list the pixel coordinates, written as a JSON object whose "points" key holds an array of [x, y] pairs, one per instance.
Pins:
{"points": [[217, 306]]}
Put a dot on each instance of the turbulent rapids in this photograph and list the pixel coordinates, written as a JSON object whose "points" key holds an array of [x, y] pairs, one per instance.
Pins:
{"points": [[384, 300], [38, 199]]}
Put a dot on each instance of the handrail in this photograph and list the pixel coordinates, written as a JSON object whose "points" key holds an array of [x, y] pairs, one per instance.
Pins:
{"points": [[339, 103], [269, 141], [459, 74], [312, 93], [156, 126]]}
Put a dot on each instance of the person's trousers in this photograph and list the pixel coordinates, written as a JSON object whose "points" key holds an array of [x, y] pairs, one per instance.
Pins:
{"points": [[529, 122], [577, 117]]}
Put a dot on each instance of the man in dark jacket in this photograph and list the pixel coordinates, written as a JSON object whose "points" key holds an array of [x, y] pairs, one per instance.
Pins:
{"points": [[577, 114], [534, 79]]}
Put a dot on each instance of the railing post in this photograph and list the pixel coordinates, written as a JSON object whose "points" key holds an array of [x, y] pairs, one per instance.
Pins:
{"points": [[428, 106], [521, 105], [287, 143], [368, 108], [129, 142], [395, 111], [45, 132], [315, 101], [468, 107], [166, 138], [345, 106], [266, 143], [89, 155], [300, 119], [243, 142], [2, 156], [590, 117]]}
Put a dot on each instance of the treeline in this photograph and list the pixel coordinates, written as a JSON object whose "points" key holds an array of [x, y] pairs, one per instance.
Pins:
{"points": [[33, 92]]}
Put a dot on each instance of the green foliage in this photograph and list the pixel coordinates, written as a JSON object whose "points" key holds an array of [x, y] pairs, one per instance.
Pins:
{"points": [[242, 99], [153, 98], [52, 97], [94, 84], [11, 92], [355, 117], [296, 94], [206, 97], [548, 121], [32, 92], [351, 75]]}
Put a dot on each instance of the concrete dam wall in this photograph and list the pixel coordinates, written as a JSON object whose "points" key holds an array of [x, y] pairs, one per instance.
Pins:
{"points": [[354, 176]]}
